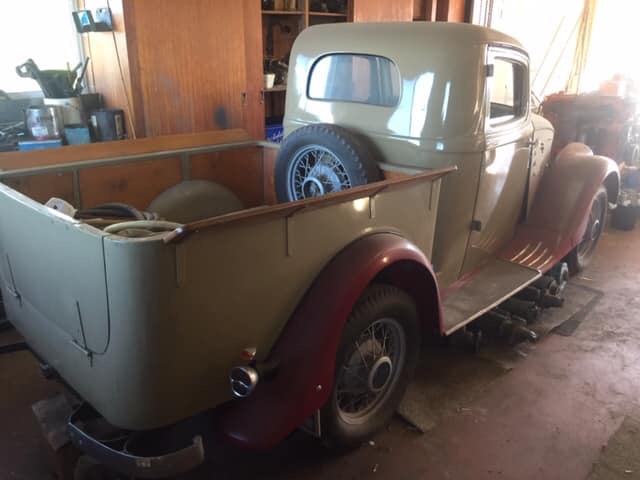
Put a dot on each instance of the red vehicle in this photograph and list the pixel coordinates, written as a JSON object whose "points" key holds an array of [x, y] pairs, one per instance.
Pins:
{"points": [[607, 124]]}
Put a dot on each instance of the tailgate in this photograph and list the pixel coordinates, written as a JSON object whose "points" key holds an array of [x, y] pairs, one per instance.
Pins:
{"points": [[52, 270]]}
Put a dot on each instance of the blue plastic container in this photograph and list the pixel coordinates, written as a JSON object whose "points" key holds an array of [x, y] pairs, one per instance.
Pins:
{"points": [[275, 133], [77, 135], [29, 145]]}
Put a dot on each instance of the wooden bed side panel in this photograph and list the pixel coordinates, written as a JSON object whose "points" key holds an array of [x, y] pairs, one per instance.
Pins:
{"points": [[42, 187], [104, 150], [135, 184], [240, 170], [269, 156]]}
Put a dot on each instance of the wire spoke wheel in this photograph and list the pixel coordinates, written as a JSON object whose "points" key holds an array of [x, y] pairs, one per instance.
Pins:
{"points": [[594, 229], [580, 257], [314, 171], [319, 158], [371, 370]]}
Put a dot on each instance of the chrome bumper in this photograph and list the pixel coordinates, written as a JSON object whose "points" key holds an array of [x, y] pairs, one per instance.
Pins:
{"points": [[116, 452]]}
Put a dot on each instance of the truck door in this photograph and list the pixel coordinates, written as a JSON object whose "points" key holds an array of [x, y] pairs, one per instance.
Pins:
{"points": [[503, 176]]}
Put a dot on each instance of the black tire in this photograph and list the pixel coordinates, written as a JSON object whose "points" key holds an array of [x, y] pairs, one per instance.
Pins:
{"points": [[581, 255], [357, 157], [378, 303]]}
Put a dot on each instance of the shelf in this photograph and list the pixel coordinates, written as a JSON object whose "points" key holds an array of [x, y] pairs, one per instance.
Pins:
{"points": [[282, 12], [327, 14], [276, 88]]}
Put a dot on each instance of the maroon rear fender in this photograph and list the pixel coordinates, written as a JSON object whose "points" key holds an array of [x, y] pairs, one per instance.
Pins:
{"points": [[560, 212], [306, 350]]}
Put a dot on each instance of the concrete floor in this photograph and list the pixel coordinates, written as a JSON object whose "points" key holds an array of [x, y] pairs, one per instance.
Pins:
{"points": [[548, 418]]}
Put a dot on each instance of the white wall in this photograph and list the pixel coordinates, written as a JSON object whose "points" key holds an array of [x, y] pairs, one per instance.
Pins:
{"points": [[615, 42], [39, 29], [547, 29]]}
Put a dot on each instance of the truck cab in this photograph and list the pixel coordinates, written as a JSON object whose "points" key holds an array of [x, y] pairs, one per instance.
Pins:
{"points": [[427, 96]]}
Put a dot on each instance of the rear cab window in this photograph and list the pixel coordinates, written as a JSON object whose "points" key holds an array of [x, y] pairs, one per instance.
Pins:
{"points": [[358, 78]]}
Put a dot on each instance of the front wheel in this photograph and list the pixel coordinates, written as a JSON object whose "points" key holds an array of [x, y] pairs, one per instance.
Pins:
{"points": [[581, 255], [376, 359]]}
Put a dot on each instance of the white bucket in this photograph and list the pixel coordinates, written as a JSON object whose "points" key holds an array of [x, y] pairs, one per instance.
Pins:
{"points": [[269, 80], [72, 111]]}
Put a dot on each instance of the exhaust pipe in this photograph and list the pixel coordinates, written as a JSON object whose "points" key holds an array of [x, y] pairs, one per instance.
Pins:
{"points": [[243, 381]]}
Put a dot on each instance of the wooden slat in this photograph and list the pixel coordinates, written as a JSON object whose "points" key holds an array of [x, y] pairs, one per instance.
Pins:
{"points": [[135, 184], [240, 170], [42, 187], [393, 175], [95, 151]]}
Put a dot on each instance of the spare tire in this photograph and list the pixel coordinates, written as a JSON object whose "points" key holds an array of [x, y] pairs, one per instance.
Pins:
{"points": [[318, 159]]}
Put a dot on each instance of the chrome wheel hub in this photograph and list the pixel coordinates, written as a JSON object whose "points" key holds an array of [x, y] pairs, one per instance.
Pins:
{"points": [[371, 370], [594, 229], [315, 171], [380, 374]]}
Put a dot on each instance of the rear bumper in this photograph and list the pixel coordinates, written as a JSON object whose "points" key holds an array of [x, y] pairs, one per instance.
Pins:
{"points": [[118, 450]]}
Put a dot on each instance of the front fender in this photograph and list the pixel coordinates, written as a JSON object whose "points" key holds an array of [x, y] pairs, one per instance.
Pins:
{"points": [[560, 212], [306, 349], [564, 199]]}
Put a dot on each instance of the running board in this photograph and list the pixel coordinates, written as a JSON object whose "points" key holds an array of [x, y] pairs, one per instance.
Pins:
{"points": [[493, 283]]}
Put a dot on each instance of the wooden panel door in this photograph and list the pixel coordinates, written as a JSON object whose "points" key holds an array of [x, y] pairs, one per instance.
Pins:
{"points": [[188, 63]]}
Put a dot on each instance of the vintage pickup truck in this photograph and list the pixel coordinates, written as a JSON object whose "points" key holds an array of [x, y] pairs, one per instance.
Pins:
{"points": [[413, 193]]}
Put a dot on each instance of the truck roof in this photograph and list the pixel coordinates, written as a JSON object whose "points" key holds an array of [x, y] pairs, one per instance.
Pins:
{"points": [[339, 36], [441, 67]]}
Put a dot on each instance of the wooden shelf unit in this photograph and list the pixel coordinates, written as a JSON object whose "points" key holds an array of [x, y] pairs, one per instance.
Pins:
{"points": [[327, 14], [279, 30], [282, 12], [276, 88]]}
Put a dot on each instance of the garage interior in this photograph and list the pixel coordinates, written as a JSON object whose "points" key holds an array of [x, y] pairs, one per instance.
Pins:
{"points": [[136, 95]]}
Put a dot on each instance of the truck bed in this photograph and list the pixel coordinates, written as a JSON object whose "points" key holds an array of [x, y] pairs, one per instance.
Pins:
{"points": [[147, 329]]}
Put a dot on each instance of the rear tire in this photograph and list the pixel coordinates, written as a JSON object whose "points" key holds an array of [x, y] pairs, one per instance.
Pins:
{"points": [[376, 359], [318, 159], [581, 255]]}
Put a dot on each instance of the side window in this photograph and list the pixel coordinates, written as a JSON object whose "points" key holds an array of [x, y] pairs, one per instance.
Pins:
{"points": [[507, 91], [355, 78]]}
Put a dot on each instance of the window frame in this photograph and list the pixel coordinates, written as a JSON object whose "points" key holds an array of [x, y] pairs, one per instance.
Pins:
{"points": [[518, 58], [395, 71]]}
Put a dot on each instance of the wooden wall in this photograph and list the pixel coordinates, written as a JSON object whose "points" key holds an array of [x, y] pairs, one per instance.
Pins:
{"points": [[440, 10], [247, 170], [196, 65], [104, 70], [189, 66], [382, 10], [451, 10]]}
